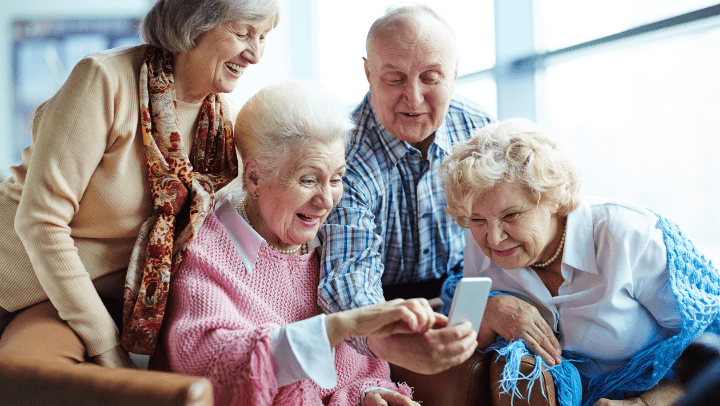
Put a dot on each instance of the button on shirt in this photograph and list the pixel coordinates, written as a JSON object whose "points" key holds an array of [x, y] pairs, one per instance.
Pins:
{"points": [[616, 298], [390, 226]]}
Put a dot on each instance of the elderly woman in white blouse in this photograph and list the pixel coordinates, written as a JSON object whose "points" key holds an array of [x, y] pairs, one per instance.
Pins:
{"points": [[588, 278]]}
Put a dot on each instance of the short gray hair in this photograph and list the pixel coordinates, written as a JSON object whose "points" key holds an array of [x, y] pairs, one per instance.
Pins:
{"points": [[400, 12], [281, 118], [514, 150], [174, 25]]}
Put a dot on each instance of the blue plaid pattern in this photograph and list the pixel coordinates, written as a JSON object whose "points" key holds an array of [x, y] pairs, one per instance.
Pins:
{"points": [[390, 226]]}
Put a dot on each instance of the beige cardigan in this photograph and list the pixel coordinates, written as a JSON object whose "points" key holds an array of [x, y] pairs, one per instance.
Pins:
{"points": [[79, 197]]}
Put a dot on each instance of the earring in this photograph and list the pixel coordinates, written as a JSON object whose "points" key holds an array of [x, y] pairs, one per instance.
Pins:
{"points": [[255, 196]]}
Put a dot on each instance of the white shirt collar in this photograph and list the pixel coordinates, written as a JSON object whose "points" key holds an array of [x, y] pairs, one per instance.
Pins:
{"points": [[246, 240], [579, 251]]}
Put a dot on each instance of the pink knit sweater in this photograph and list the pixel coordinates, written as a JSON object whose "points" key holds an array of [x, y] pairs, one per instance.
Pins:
{"points": [[221, 317]]}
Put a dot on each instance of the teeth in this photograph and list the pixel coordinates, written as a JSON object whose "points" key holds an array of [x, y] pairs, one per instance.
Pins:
{"points": [[233, 67]]}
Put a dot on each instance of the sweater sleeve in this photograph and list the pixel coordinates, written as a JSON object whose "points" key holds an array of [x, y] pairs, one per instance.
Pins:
{"points": [[209, 336], [71, 132]]}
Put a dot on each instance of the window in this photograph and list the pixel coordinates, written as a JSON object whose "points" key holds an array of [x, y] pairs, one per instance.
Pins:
{"points": [[562, 23], [45, 52], [639, 113], [342, 28], [643, 121]]}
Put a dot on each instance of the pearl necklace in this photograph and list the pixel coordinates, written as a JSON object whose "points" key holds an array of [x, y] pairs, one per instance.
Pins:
{"points": [[240, 207], [557, 252]]}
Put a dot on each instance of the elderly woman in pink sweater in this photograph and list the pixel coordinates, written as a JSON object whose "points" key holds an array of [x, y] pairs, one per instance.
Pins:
{"points": [[244, 309]]}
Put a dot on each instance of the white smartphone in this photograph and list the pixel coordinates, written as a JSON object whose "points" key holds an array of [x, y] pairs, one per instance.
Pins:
{"points": [[469, 300]]}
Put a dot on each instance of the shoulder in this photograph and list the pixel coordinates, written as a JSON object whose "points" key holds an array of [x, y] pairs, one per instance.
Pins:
{"points": [[212, 245], [230, 107], [363, 152], [463, 107], [622, 221], [464, 117], [116, 68], [121, 60], [363, 136]]}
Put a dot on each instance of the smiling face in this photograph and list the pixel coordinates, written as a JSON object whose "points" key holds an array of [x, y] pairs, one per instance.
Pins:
{"points": [[513, 230], [219, 58], [289, 211], [411, 71]]}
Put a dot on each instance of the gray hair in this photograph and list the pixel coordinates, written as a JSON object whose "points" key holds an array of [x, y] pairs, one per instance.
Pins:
{"points": [[281, 118], [174, 25], [399, 13], [514, 150]]}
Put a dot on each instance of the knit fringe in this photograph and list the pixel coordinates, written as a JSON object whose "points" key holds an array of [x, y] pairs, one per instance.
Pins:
{"points": [[513, 352], [260, 375]]}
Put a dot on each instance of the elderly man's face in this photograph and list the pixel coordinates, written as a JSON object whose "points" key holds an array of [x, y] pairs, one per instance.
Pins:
{"points": [[412, 76]]}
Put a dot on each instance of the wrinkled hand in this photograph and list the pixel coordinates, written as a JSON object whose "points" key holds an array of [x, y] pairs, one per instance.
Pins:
{"points": [[665, 393], [430, 352], [381, 397], [115, 357], [626, 402], [393, 317], [514, 318]]}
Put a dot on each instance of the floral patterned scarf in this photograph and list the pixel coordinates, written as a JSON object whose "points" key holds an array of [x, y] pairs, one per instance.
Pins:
{"points": [[182, 192]]}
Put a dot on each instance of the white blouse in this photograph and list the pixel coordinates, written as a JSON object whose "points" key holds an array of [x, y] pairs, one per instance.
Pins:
{"points": [[616, 298]]}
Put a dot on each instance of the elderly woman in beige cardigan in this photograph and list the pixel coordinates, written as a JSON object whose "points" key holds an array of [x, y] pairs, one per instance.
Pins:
{"points": [[122, 169]]}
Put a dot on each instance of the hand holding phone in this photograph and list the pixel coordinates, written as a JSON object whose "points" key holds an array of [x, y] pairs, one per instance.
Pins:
{"points": [[471, 294]]}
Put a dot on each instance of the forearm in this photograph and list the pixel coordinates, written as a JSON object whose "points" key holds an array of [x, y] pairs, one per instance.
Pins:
{"points": [[68, 285], [337, 329], [486, 336], [665, 393]]}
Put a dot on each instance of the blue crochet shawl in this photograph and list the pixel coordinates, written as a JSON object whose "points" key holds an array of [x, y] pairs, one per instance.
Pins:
{"points": [[696, 285]]}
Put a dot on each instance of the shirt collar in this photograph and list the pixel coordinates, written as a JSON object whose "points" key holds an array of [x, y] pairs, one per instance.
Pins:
{"points": [[246, 240], [579, 251]]}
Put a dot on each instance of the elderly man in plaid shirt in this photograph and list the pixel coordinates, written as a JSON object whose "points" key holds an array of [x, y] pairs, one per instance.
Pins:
{"points": [[390, 236]]}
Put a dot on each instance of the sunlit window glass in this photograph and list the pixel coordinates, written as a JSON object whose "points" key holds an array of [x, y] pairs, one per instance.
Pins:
{"points": [[482, 91], [562, 23], [342, 28], [643, 122]]}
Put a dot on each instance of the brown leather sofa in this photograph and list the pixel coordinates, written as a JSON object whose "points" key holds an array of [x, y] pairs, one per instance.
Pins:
{"points": [[25, 383], [474, 382]]}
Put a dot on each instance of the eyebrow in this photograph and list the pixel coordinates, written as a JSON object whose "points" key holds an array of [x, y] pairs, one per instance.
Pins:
{"points": [[504, 211], [428, 67], [317, 168]]}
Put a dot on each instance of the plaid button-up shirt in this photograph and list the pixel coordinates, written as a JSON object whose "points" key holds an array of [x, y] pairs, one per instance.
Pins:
{"points": [[390, 226]]}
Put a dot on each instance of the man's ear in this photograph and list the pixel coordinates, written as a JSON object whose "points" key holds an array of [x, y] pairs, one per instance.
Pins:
{"points": [[367, 69]]}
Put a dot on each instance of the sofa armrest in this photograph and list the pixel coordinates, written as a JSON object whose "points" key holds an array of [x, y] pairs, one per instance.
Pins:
{"points": [[24, 382], [464, 384], [542, 394]]}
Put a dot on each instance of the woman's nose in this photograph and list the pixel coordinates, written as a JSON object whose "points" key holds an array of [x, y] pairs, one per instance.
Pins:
{"points": [[254, 51], [495, 235], [324, 197]]}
